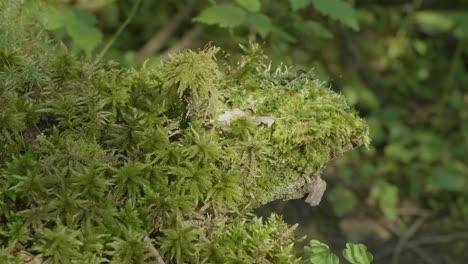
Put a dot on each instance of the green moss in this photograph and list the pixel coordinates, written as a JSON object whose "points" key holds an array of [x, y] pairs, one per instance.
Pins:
{"points": [[94, 158]]}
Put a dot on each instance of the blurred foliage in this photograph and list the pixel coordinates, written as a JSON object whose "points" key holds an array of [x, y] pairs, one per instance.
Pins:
{"points": [[403, 64]]}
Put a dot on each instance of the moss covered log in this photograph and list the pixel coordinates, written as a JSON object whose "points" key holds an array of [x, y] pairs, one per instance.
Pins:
{"points": [[100, 163]]}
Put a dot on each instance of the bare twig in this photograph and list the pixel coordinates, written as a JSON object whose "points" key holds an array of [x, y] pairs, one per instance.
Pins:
{"points": [[451, 76], [423, 255], [185, 41], [427, 240], [437, 239], [405, 237], [154, 251], [157, 41], [366, 76], [413, 212]]}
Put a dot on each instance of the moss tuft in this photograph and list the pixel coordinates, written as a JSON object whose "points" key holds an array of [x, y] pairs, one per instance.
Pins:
{"points": [[100, 163]]}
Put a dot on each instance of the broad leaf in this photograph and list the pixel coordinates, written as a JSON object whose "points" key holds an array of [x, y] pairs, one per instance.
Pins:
{"points": [[223, 15], [282, 35], [319, 253], [85, 17], [315, 28], [460, 19], [50, 16], [83, 35], [455, 22], [298, 4], [54, 19], [339, 10], [77, 24], [357, 254], [343, 200], [447, 178], [261, 23], [399, 151], [387, 196], [434, 21], [250, 5]]}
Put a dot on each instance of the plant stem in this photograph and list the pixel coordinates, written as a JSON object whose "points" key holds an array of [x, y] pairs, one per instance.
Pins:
{"points": [[449, 83], [156, 42], [119, 31]]}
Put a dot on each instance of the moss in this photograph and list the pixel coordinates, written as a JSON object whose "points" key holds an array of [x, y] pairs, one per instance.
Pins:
{"points": [[94, 157]]}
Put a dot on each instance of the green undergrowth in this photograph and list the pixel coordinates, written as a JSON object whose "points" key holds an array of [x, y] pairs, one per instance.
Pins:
{"points": [[100, 163]]}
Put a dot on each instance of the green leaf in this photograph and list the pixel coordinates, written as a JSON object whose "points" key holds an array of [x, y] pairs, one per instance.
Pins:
{"points": [[357, 254], [261, 23], [315, 28], [400, 152], [53, 18], [78, 25], [461, 23], [223, 15], [85, 17], [319, 253], [452, 21], [343, 200], [433, 21], [339, 10], [84, 36], [447, 178], [298, 4], [250, 5], [282, 35], [387, 196]]}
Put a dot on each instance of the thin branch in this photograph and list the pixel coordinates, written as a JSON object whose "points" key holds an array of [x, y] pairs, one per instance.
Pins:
{"points": [[423, 255], [157, 41], [438, 239], [451, 76], [427, 240], [413, 212], [366, 76], [185, 41], [154, 251], [119, 31], [405, 237]]}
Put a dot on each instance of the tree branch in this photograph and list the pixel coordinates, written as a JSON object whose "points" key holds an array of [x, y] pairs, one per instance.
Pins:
{"points": [[406, 237], [158, 40], [366, 76], [185, 41]]}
